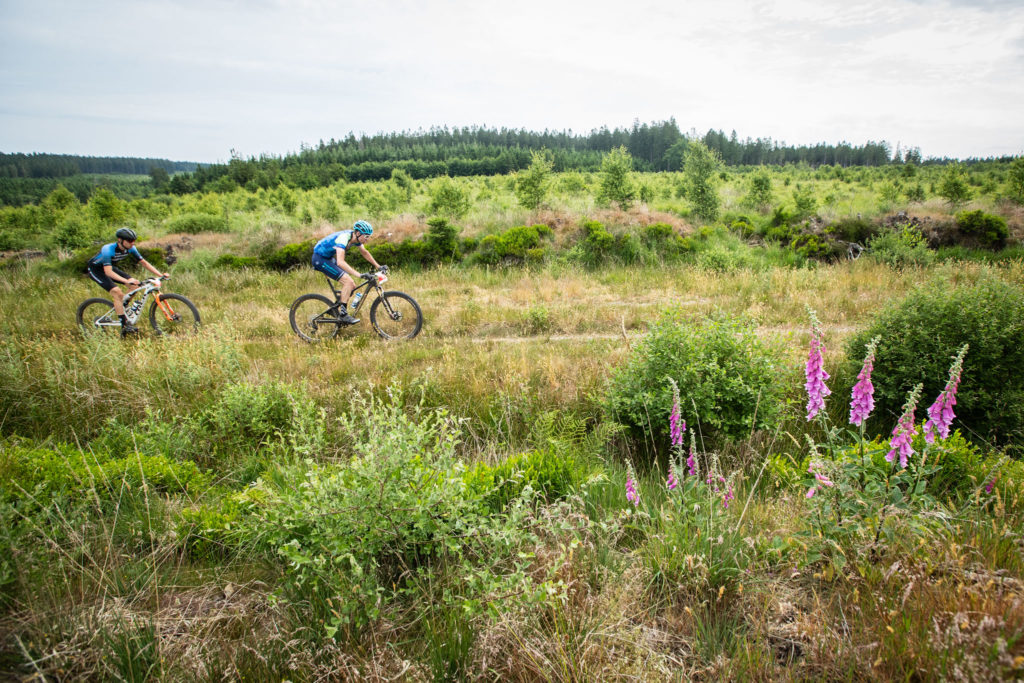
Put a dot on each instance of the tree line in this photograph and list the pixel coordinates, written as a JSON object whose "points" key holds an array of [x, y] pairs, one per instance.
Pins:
{"points": [[66, 165]]}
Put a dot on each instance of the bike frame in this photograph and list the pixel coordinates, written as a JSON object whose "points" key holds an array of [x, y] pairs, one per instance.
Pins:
{"points": [[147, 287], [375, 283]]}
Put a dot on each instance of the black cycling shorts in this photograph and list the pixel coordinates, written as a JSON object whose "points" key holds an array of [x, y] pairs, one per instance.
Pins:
{"points": [[97, 275]]}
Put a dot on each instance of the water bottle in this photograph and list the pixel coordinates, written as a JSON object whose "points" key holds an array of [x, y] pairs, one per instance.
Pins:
{"points": [[356, 299]]}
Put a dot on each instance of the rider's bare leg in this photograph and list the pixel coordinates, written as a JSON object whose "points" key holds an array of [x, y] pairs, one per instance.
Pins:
{"points": [[118, 296], [347, 285]]}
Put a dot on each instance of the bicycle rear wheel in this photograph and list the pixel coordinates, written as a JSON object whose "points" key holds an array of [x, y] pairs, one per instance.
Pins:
{"points": [[176, 317], [312, 318], [396, 315], [96, 316]]}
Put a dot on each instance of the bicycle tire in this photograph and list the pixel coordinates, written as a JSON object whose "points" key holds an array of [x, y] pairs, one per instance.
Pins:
{"points": [[409, 318], [87, 319], [186, 324], [302, 317]]}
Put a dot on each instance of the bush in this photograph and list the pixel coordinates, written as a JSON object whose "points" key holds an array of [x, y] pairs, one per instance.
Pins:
{"points": [[236, 262], [723, 370], [289, 256], [902, 248], [990, 231], [193, 223], [920, 334], [513, 246], [853, 230], [35, 475], [552, 474]]}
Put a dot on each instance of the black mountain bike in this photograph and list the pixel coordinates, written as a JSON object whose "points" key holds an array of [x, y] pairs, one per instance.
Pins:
{"points": [[394, 315]]}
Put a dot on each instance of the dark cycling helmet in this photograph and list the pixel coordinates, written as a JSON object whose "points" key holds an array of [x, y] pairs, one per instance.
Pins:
{"points": [[363, 227], [126, 234]]}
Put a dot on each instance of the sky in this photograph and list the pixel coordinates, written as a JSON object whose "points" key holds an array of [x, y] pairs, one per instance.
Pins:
{"points": [[200, 80]]}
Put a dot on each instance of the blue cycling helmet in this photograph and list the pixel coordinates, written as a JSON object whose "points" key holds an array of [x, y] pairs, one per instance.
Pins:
{"points": [[363, 227]]}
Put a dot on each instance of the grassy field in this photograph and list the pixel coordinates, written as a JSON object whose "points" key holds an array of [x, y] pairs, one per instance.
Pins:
{"points": [[242, 505]]}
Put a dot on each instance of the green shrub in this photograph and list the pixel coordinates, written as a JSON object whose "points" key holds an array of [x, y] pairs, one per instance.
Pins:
{"points": [[902, 248], [920, 335], [193, 223], [289, 256], [511, 246], [36, 475], [850, 229], [724, 371], [236, 262], [442, 241], [550, 473], [989, 230]]}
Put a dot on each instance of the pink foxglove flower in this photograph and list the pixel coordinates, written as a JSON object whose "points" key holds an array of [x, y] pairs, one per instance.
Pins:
{"points": [[676, 425], [691, 459], [863, 391], [990, 485], [631, 493], [728, 496], [904, 431], [673, 480], [821, 478], [940, 414], [815, 372]]}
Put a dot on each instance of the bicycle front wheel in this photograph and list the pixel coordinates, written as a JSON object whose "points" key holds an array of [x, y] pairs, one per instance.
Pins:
{"points": [[312, 318], [174, 316], [96, 316], [396, 315]]}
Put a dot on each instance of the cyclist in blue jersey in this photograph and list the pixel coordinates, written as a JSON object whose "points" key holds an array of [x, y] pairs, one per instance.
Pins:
{"points": [[329, 259], [106, 274]]}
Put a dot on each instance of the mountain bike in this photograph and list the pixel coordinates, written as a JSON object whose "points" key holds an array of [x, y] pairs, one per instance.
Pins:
{"points": [[394, 315], [170, 314]]}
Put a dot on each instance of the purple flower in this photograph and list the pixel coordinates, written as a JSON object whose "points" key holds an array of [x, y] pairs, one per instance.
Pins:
{"points": [[728, 496], [940, 414], [815, 373], [991, 484], [822, 479], [863, 391], [691, 459], [904, 431], [631, 493], [811, 491], [676, 425], [673, 481]]}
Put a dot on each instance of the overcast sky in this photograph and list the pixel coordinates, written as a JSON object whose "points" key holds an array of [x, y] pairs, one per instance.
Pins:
{"points": [[194, 79]]}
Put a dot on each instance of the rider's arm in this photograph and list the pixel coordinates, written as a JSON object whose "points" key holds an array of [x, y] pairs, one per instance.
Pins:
{"points": [[108, 270], [366, 255], [339, 257], [149, 266]]}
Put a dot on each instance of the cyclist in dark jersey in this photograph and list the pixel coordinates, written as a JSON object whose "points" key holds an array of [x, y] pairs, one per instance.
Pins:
{"points": [[329, 259], [102, 270]]}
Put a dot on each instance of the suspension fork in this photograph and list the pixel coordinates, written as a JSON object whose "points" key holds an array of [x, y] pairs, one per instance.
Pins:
{"points": [[165, 306]]}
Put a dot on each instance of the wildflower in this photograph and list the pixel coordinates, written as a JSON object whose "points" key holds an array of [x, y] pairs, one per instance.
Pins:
{"points": [[863, 391], [815, 371], [904, 431], [673, 481], [632, 495], [675, 424], [990, 485], [940, 414], [728, 496], [691, 459], [821, 478]]}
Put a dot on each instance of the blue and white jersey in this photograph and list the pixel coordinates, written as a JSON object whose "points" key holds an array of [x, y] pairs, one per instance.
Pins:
{"points": [[336, 240], [110, 254]]}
